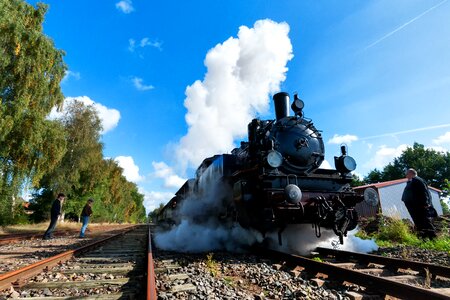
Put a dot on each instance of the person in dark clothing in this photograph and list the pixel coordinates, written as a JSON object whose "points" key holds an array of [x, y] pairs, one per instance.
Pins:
{"points": [[85, 214], [417, 199], [54, 215]]}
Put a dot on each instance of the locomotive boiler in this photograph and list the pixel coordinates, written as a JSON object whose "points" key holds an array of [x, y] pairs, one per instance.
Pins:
{"points": [[274, 179]]}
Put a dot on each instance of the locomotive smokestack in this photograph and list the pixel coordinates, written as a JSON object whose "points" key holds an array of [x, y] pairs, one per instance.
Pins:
{"points": [[281, 101]]}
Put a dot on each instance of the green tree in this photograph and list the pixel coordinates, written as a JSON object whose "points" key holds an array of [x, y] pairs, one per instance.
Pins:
{"points": [[120, 199], [431, 165], [31, 69], [154, 213], [356, 181], [75, 175], [446, 190]]}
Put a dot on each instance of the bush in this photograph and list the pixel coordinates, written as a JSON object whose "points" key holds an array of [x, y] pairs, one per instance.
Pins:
{"points": [[396, 230], [20, 214], [393, 231]]}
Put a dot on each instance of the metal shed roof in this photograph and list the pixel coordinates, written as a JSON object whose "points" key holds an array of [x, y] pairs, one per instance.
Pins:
{"points": [[388, 183]]}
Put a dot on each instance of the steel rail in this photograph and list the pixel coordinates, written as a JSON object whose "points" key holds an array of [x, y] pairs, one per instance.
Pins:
{"points": [[388, 262], [17, 276], [151, 281], [386, 286]]}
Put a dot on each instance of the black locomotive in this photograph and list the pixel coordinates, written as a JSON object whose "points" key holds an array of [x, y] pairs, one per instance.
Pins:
{"points": [[274, 179]]}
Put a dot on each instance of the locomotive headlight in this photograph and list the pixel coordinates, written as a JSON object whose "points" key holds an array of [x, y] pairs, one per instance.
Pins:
{"points": [[349, 163], [293, 193], [274, 159], [345, 164]]}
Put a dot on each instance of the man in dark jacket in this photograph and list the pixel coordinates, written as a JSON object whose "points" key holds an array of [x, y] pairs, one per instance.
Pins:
{"points": [[54, 214], [417, 199], [85, 214]]}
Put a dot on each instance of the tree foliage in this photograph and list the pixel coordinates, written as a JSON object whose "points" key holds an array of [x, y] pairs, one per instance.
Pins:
{"points": [[154, 213], [431, 165], [83, 174], [51, 156], [31, 69]]}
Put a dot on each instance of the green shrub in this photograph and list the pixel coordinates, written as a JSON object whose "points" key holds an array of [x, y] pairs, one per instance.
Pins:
{"points": [[211, 265], [396, 230], [393, 231]]}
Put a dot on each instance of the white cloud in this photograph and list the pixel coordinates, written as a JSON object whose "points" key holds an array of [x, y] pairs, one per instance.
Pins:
{"points": [[443, 139], [384, 156], [140, 86], [70, 74], [132, 45], [437, 148], [171, 180], [153, 199], [130, 169], [108, 116], [241, 74], [126, 6], [343, 139], [146, 42]]}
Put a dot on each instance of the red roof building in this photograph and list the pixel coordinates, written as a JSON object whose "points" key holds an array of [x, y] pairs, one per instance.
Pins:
{"points": [[386, 198]]}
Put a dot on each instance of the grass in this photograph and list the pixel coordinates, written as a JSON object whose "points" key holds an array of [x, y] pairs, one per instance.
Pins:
{"points": [[229, 280], [211, 265], [393, 231]]}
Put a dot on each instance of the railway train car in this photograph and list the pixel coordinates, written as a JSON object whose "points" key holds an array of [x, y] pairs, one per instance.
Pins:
{"points": [[274, 180]]}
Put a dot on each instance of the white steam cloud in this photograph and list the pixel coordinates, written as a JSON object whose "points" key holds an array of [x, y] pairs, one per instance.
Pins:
{"points": [[200, 226], [241, 74], [196, 238], [302, 240]]}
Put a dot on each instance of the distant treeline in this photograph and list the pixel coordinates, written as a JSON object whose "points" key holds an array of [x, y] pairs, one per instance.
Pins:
{"points": [[45, 155]]}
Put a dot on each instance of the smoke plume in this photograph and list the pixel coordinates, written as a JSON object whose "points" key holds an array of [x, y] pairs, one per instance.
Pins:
{"points": [[204, 226], [301, 239], [241, 74]]}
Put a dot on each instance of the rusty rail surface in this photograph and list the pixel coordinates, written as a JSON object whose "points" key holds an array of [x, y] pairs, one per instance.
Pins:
{"points": [[389, 262], [386, 286], [151, 281], [16, 277]]}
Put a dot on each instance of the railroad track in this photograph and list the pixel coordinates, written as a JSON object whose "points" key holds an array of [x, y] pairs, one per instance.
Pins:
{"points": [[117, 267], [376, 275], [17, 237]]}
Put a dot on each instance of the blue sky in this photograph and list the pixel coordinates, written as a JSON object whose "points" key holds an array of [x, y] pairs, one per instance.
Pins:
{"points": [[373, 74]]}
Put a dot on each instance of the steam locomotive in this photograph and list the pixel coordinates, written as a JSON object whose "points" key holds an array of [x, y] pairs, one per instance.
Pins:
{"points": [[274, 179]]}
